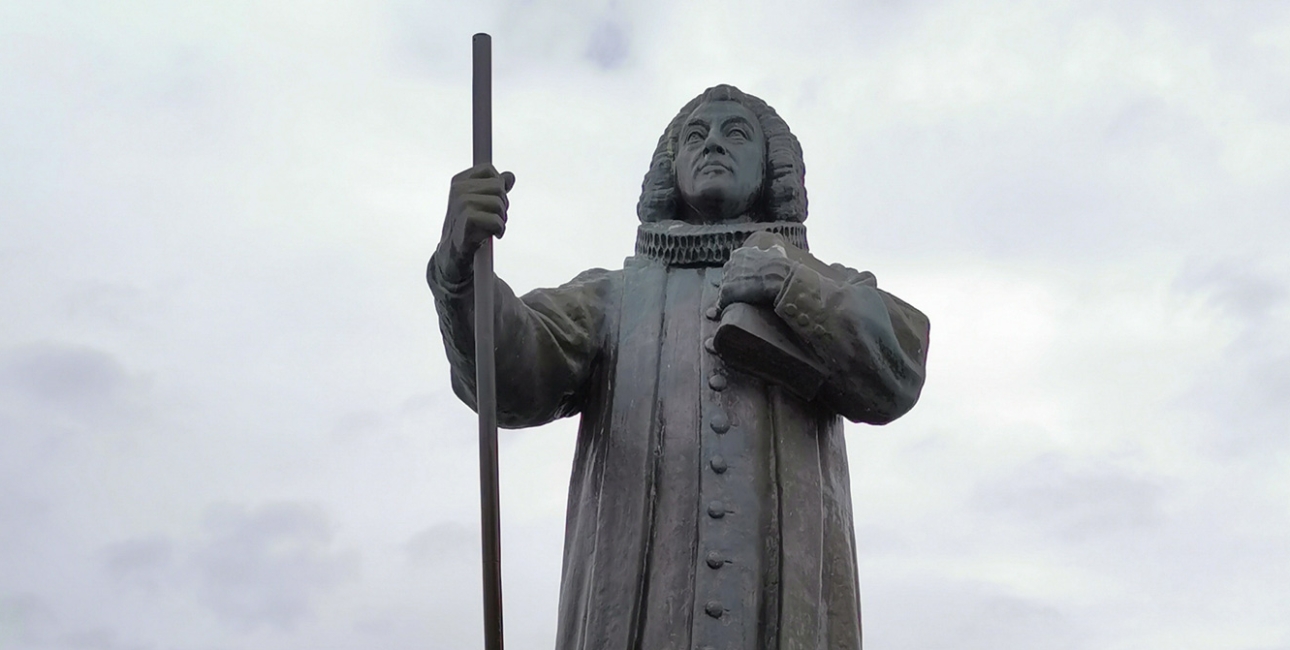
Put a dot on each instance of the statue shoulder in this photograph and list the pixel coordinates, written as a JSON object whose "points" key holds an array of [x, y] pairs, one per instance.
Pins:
{"points": [[588, 288]]}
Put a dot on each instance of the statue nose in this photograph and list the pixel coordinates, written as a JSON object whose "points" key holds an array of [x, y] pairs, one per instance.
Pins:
{"points": [[713, 144]]}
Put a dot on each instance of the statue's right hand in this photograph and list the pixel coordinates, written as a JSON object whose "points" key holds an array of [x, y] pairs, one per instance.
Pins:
{"points": [[476, 211]]}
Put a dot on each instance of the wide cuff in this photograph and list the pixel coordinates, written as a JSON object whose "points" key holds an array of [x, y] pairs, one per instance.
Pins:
{"points": [[800, 303], [434, 277]]}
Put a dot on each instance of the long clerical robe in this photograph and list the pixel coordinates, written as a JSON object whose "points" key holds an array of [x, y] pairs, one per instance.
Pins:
{"points": [[707, 508]]}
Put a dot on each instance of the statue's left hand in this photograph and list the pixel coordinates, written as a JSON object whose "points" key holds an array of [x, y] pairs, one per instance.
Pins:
{"points": [[754, 276]]}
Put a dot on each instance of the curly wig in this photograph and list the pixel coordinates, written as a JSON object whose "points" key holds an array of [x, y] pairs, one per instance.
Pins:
{"points": [[783, 191]]}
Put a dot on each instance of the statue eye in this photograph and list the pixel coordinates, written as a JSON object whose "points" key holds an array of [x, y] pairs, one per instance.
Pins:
{"points": [[738, 132], [693, 136]]}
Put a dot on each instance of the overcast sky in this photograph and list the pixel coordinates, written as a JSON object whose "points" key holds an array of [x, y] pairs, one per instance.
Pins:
{"points": [[225, 417]]}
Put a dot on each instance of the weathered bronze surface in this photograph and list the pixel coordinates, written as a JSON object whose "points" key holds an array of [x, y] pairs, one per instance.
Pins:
{"points": [[709, 504]]}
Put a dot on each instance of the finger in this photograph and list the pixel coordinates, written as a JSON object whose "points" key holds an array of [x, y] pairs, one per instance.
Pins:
{"points": [[744, 257], [483, 225], [738, 269], [482, 170], [764, 239], [487, 203], [492, 186], [722, 298], [736, 291], [508, 180], [485, 200], [775, 240], [729, 294], [756, 257]]}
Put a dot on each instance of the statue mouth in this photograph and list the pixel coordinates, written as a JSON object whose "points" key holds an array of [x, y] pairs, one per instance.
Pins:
{"points": [[714, 165]]}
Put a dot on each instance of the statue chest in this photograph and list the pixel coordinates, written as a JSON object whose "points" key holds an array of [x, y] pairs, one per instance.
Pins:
{"points": [[714, 535]]}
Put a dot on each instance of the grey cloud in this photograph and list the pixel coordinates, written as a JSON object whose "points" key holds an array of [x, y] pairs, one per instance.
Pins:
{"points": [[141, 562], [1072, 500], [194, 83], [63, 374], [20, 503], [358, 424], [444, 543], [112, 304], [874, 25], [430, 42], [1104, 172], [1002, 192], [1244, 401], [1078, 186], [444, 420], [928, 612], [1235, 287], [1226, 28], [264, 566], [554, 30], [1149, 121], [25, 618], [447, 555], [608, 45], [1043, 206], [1243, 396], [421, 404], [873, 540], [425, 37], [99, 638]]}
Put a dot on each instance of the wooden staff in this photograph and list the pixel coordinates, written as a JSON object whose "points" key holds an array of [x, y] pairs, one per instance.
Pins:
{"points": [[485, 365]]}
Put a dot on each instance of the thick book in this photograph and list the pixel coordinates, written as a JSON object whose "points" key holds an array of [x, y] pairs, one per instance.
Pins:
{"points": [[754, 340]]}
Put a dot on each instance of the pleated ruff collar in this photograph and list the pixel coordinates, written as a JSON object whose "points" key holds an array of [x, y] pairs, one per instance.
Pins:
{"points": [[677, 243]]}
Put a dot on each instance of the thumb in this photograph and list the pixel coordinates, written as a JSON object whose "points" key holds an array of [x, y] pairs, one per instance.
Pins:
{"points": [[508, 180]]}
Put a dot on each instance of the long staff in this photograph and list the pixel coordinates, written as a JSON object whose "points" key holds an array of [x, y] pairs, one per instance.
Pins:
{"points": [[485, 366]]}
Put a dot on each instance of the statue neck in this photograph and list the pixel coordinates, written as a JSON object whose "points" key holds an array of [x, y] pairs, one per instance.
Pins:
{"points": [[677, 243], [712, 216]]}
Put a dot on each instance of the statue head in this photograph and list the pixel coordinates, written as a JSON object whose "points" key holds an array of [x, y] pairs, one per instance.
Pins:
{"points": [[725, 156]]}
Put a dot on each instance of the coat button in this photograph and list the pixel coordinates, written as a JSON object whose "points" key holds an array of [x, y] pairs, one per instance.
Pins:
{"points": [[710, 345], [716, 510], [713, 313], [803, 320], [790, 309], [715, 560], [717, 382], [718, 464], [720, 422], [714, 609]]}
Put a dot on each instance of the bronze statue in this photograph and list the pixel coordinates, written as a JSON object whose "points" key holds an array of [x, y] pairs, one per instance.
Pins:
{"points": [[709, 505]]}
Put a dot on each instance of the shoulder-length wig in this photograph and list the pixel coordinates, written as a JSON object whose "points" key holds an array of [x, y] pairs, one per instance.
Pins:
{"points": [[783, 190]]}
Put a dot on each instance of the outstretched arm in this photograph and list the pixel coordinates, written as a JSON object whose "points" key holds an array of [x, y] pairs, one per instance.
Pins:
{"points": [[547, 342]]}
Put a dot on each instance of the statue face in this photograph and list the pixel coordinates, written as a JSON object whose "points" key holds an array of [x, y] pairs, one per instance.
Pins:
{"points": [[720, 161]]}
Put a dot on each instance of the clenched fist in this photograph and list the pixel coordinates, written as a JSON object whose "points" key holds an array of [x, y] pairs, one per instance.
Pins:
{"points": [[754, 275], [476, 211]]}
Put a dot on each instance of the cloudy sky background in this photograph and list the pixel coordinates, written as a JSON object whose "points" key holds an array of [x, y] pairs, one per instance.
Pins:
{"points": [[225, 419]]}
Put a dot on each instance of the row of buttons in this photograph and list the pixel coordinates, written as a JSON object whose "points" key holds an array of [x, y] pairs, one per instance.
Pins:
{"points": [[720, 424]]}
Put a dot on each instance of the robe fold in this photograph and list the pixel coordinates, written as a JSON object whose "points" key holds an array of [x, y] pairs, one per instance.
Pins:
{"points": [[707, 508]]}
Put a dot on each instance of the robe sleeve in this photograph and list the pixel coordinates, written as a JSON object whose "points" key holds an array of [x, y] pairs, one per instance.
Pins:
{"points": [[547, 343], [872, 344]]}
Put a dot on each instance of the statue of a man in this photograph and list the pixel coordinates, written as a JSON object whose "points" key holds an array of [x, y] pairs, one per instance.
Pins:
{"points": [[709, 505]]}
